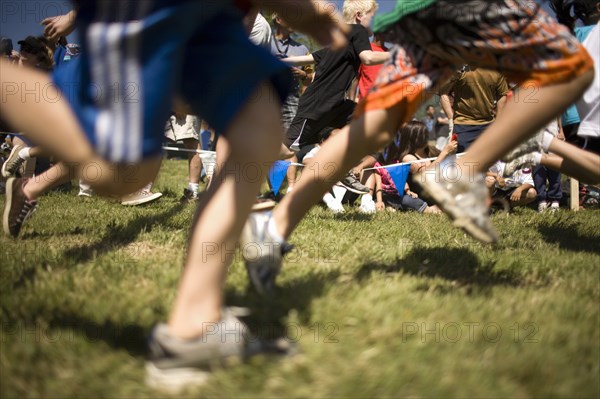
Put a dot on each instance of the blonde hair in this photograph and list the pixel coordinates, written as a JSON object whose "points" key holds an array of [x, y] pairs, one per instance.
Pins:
{"points": [[351, 7]]}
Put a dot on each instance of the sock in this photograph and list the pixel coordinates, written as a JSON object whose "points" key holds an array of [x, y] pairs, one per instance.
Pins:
{"points": [[193, 187], [536, 157], [546, 141], [272, 229], [24, 153]]}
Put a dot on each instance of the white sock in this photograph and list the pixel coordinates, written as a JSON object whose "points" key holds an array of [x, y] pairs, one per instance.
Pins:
{"points": [[193, 187], [24, 153], [272, 229], [537, 158], [546, 141]]}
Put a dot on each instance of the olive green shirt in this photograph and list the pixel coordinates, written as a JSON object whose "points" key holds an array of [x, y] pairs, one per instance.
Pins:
{"points": [[475, 94]]}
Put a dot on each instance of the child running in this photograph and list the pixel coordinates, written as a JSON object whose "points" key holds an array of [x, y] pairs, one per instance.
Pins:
{"points": [[431, 39], [141, 56]]}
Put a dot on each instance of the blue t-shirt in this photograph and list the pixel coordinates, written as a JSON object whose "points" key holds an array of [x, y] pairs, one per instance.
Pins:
{"points": [[571, 116]]}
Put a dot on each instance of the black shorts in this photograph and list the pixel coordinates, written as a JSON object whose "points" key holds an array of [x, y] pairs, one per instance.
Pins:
{"points": [[305, 131]]}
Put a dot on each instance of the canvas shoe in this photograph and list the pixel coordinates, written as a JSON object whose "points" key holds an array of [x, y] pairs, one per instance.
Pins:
{"points": [[175, 364], [554, 206], [533, 158], [542, 206], [12, 165], [17, 208], [333, 204], [263, 254], [463, 201], [143, 196], [367, 205], [350, 183], [534, 144]]}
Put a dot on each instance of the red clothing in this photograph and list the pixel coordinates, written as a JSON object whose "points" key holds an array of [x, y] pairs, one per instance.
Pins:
{"points": [[368, 74]]}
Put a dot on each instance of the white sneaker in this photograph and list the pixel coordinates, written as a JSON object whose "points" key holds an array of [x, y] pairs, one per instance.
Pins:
{"points": [[85, 192], [555, 206], [367, 205], [526, 160], [140, 197], [333, 204], [542, 206], [534, 144]]}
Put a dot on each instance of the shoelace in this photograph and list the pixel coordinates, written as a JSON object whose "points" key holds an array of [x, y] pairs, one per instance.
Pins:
{"points": [[25, 212], [14, 164]]}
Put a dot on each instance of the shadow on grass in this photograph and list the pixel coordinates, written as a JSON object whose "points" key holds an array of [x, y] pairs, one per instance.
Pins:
{"points": [[118, 236], [454, 264], [268, 313], [568, 238], [67, 327]]}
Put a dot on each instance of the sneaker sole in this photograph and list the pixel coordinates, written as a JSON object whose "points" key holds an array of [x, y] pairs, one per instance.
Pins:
{"points": [[9, 191], [14, 152], [141, 201], [174, 381], [352, 190], [458, 217]]}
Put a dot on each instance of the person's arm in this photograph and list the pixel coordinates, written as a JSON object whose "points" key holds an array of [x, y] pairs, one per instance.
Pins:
{"points": [[446, 105], [367, 162], [408, 192], [518, 193], [450, 148], [59, 26], [561, 132], [310, 17], [369, 57], [299, 60], [500, 105], [379, 205]]}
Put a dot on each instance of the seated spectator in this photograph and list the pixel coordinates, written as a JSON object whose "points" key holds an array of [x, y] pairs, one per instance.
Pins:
{"points": [[414, 146], [518, 189], [185, 128]]}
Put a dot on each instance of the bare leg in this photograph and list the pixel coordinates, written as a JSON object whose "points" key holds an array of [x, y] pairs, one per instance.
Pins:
{"points": [[51, 178], [194, 162], [521, 120], [337, 156], [56, 129], [253, 141], [573, 161]]}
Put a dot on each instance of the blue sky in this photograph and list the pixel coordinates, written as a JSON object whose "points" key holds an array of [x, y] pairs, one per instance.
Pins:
{"points": [[20, 18]]}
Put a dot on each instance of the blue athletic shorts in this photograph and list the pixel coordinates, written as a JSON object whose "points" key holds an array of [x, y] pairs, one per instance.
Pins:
{"points": [[138, 55]]}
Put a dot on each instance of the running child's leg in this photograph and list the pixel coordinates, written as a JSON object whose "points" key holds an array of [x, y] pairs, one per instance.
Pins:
{"points": [[253, 143], [50, 123]]}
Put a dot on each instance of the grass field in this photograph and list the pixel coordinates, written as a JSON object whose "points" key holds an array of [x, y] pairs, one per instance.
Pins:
{"points": [[390, 305]]}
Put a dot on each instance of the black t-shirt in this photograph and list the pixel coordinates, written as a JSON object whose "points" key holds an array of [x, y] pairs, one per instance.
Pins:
{"points": [[334, 73]]}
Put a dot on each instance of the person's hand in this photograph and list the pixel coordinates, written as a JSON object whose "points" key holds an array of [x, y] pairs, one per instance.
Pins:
{"points": [[451, 147], [299, 73], [411, 194], [501, 182], [380, 206], [561, 135], [61, 25], [318, 19], [356, 171], [516, 195]]}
